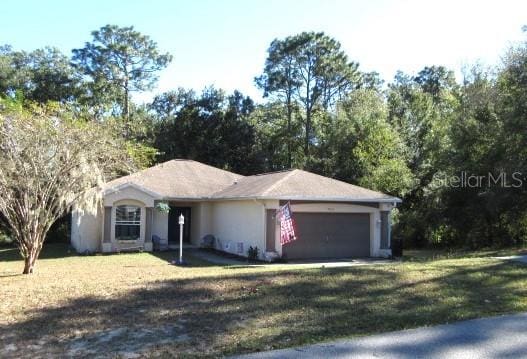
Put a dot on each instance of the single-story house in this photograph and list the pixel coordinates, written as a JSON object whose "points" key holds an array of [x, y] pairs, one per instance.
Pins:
{"points": [[333, 218]]}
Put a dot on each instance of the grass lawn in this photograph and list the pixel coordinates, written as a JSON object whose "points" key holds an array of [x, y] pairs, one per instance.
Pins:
{"points": [[436, 254], [131, 303]]}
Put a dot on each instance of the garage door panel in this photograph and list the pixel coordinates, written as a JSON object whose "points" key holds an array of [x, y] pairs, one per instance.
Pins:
{"points": [[330, 235]]}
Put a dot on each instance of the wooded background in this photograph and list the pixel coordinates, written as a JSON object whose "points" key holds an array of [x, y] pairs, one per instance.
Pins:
{"points": [[319, 112]]}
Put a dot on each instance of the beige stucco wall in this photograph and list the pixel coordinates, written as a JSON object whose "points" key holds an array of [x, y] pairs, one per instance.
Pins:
{"points": [[235, 222], [86, 229], [231, 222], [195, 223], [201, 221], [160, 225]]}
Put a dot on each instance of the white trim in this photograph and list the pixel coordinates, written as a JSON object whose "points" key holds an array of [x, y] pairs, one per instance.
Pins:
{"points": [[324, 207], [388, 200], [308, 198], [103, 247], [107, 247], [375, 233], [270, 205], [392, 200], [277, 242], [389, 218], [118, 244]]}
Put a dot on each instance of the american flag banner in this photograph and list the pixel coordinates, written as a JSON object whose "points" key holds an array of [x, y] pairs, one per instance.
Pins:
{"points": [[287, 224]]}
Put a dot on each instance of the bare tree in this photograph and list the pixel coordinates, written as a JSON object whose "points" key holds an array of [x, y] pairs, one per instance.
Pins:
{"points": [[49, 163]]}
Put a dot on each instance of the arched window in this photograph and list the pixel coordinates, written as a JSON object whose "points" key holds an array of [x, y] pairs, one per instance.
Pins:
{"points": [[127, 223]]}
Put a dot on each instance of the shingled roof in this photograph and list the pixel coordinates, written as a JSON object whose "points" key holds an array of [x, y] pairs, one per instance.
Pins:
{"points": [[179, 179], [298, 184], [185, 179]]}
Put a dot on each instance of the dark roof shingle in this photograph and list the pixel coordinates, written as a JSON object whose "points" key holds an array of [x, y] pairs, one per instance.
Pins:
{"points": [[186, 179], [298, 184], [179, 179]]}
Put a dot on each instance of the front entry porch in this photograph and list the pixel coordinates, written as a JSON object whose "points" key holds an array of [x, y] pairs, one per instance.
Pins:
{"points": [[133, 219], [173, 224]]}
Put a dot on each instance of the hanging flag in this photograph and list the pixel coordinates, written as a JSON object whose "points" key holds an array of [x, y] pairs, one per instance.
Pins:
{"points": [[287, 224]]}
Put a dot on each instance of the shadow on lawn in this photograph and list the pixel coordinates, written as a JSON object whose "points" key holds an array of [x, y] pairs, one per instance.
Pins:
{"points": [[61, 250], [241, 313], [172, 256], [49, 251]]}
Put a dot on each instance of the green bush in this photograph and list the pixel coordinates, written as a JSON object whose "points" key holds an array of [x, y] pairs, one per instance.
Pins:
{"points": [[252, 253], [5, 240], [60, 231]]}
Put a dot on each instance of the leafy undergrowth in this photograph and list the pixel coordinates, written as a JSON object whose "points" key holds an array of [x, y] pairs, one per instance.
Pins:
{"points": [[82, 305]]}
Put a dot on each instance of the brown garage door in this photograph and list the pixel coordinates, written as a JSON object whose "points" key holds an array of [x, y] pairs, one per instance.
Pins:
{"points": [[330, 235]]}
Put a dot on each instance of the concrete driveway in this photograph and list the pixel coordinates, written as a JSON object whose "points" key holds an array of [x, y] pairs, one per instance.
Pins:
{"points": [[216, 258], [521, 258], [497, 337]]}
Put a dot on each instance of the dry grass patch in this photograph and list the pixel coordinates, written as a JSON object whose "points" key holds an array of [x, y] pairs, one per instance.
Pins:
{"points": [[138, 303]]}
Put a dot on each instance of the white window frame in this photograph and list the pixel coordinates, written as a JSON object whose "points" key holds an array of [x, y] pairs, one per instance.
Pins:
{"points": [[129, 222]]}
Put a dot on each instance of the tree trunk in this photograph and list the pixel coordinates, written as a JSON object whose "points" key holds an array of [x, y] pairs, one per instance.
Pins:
{"points": [[29, 265], [29, 261], [308, 133], [32, 254], [308, 107], [289, 134], [126, 109]]}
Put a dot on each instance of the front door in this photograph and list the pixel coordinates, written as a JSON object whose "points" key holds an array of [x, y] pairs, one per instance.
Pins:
{"points": [[173, 224]]}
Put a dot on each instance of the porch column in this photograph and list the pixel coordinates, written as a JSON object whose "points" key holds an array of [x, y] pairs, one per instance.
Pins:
{"points": [[107, 231], [385, 230], [148, 228]]}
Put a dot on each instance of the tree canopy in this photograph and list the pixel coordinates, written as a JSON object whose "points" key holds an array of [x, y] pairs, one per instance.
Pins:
{"points": [[118, 61], [308, 71], [50, 162], [41, 75]]}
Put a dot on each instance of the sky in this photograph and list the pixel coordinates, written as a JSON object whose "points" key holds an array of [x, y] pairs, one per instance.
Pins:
{"points": [[224, 43]]}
